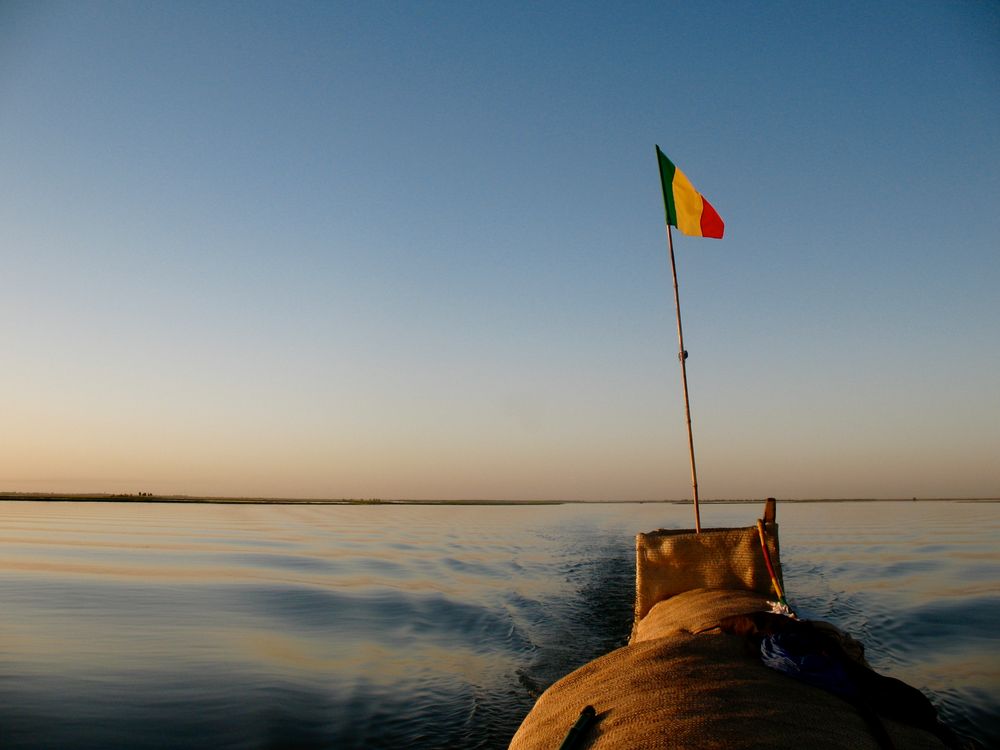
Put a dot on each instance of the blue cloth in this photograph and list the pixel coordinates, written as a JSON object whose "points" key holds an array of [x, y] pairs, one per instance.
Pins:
{"points": [[805, 659]]}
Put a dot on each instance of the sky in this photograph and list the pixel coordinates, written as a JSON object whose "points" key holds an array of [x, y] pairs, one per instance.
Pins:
{"points": [[417, 250]]}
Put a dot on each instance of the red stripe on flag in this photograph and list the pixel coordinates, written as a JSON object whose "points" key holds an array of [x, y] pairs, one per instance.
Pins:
{"points": [[711, 222]]}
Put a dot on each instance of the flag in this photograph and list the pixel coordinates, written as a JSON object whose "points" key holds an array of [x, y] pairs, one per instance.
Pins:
{"points": [[686, 208]]}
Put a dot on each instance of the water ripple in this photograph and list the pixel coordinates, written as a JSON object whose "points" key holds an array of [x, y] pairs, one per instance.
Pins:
{"points": [[427, 627]]}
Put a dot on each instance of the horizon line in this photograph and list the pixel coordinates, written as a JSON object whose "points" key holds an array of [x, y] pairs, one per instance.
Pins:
{"points": [[148, 497]]}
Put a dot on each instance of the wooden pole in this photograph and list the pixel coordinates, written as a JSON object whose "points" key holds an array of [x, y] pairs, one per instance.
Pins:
{"points": [[682, 356]]}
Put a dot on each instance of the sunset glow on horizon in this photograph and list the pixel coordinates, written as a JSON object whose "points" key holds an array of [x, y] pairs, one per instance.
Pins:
{"points": [[418, 251]]}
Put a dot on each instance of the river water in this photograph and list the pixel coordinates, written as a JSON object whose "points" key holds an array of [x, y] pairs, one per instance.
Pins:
{"points": [[281, 626]]}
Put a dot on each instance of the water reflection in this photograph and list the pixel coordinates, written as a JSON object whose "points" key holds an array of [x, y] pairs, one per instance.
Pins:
{"points": [[330, 626]]}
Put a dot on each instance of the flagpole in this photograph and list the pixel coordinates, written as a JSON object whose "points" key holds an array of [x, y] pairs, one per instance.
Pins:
{"points": [[682, 356]]}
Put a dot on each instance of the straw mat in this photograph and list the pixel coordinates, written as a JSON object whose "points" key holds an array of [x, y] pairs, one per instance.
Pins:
{"points": [[670, 562], [695, 612], [698, 691]]}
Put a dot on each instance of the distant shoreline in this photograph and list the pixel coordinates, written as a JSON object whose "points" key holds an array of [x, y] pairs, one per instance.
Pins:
{"points": [[101, 497]]}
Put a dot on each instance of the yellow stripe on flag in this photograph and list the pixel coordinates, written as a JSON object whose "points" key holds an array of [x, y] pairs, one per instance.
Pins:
{"points": [[689, 205]]}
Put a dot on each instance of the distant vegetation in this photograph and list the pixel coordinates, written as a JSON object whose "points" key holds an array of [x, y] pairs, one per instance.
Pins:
{"points": [[150, 497]]}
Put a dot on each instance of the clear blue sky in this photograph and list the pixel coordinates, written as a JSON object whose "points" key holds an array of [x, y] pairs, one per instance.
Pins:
{"points": [[416, 250]]}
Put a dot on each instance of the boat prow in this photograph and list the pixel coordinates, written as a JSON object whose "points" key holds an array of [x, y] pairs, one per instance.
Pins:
{"points": [[693, 676]]}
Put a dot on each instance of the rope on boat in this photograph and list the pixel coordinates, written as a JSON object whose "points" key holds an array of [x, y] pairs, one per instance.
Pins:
{"points": [[767, 561]]}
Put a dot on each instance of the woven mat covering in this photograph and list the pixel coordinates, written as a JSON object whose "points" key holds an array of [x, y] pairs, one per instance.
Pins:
{"points": [[670, 562], [698, 691], [695, 612]]}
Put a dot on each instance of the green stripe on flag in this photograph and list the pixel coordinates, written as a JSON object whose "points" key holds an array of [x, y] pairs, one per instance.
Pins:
{"points": [[667, 170]]}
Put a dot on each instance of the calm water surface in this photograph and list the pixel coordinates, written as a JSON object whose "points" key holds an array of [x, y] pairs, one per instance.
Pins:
{"points": [[201, 626]]}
